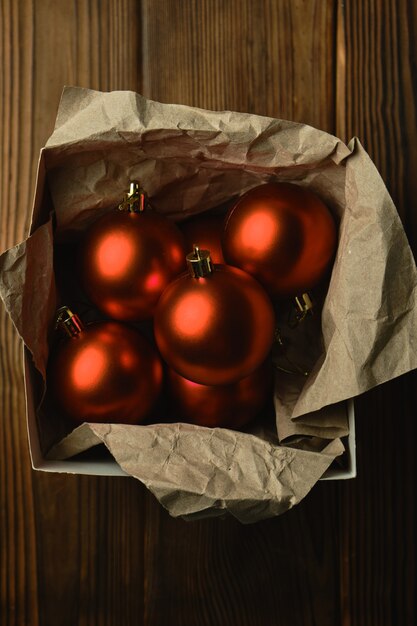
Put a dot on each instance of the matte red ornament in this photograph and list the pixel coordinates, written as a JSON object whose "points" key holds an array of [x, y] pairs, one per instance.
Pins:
{"points": [[216, 326], [228, 406], [104, 372], [128, 258], [282, 234], [207, 229]]}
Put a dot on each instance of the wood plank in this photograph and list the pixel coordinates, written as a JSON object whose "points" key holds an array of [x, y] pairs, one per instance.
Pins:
{"points": [[378, 513], [18, 575], [65, 543], [380, 94], [280, 571], [266, 57]]}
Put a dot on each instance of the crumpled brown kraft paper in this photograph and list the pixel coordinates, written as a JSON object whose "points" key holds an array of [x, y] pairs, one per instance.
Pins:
{"points": [[191, 160], [194, 470]]}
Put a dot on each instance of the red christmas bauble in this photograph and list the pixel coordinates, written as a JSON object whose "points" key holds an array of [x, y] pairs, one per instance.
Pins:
{"points": [[228, 406], [127, 260], [107, 372], [215, 329], [283, 235], [207, 230]]}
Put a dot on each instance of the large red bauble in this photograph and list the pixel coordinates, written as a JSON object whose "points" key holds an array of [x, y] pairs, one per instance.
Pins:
{"points": [[127, 260], [228, 406], [283, 235], [107, 373], [217, 329], [206, 230]]}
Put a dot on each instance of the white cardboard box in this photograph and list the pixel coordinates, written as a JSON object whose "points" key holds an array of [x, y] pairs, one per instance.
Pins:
{"points": [[109, 467]]}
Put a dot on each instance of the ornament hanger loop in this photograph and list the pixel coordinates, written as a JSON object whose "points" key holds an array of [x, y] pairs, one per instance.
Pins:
{"points": [[199, 262], [135, 200]]}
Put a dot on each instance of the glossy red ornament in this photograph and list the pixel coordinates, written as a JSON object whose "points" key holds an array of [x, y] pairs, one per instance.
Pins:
{"points": [[283, 235], [228, 406], [207, 230], [105, 372], [214, 329], [128, 258]]}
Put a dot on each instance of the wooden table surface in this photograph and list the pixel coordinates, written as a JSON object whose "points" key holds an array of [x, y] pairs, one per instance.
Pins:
{"points": [[101, 551]]}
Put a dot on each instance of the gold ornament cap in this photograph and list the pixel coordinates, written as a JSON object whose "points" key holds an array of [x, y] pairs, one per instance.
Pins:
{"points": [[68, 322], [304, 306], [136, 200], [199, 262]]}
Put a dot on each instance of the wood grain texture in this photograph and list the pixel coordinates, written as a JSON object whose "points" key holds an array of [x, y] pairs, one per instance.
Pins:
{"points": [[378, 512], [267, 57], [87, 551], [65, 543], [18, 581], [381, 94], [281, 571]]}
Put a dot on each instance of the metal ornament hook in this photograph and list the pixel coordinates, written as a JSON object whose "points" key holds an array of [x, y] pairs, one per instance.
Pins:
{"points": [[295, 369], [303, 306], [135, 200]]}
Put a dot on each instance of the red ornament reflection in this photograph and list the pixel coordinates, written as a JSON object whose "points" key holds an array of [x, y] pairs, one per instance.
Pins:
{"points": [[283, 235], [115, 254], [217, 329], [193, 315], [127, 260], [107, 373], [229, 406], [88, 368]]}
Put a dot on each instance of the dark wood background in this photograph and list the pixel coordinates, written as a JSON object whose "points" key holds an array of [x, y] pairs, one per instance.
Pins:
{"points": [[82, 551]]}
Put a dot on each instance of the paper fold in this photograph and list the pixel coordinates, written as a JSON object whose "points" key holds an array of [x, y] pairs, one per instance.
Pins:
{"points": [[192, 469]]}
